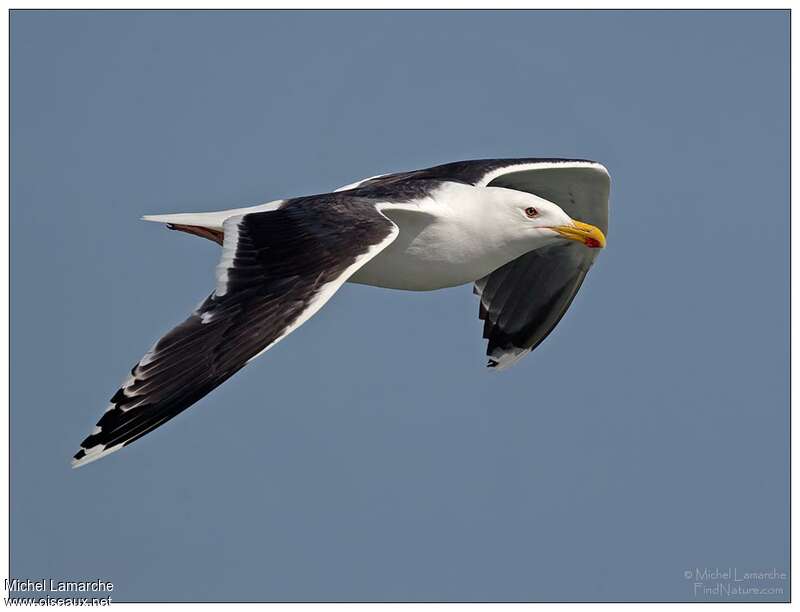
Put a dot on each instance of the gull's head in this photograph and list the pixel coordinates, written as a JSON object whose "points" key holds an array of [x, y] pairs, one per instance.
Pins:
{"points": [[534, 219]]}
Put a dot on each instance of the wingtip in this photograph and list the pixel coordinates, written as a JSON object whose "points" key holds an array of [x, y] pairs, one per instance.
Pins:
{"points": [[601, 168], [85, 456], [81, 458], [500, 360]]}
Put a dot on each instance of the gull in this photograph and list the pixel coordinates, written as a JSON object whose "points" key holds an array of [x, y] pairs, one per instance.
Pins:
{"points": [[501, 224]]}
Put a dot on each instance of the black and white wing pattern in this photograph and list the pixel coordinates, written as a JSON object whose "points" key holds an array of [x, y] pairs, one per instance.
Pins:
{"points": [[523, 301], [277, 269]]}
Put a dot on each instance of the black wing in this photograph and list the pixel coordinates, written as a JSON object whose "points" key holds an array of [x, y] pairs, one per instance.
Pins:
{"points": [[473, 171], [277, 269]]}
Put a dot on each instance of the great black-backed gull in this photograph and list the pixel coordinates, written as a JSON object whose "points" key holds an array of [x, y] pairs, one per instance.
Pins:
{"points": [[517, 228]]}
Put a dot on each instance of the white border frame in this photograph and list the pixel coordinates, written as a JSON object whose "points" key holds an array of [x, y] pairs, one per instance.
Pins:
{"points": [[349, 4]]}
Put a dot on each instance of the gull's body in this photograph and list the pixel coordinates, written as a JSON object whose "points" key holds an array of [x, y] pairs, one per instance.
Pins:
{"points": [[501, 224], [446, 239]]}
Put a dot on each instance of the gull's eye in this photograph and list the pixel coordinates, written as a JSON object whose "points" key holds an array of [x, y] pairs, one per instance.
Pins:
{"points": [[531, 212]]}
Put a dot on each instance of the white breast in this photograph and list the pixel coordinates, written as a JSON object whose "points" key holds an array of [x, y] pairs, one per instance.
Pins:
{"points": [[443, 242]]}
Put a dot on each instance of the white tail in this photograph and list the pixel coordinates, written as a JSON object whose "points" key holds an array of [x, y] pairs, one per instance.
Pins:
{"points": [[210, 220]]}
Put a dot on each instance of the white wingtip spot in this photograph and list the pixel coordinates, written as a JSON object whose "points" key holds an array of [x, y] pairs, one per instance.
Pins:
{"points": [[502, 360], [93, 454]]}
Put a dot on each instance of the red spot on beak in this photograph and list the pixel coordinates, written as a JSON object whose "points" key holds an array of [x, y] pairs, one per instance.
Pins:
{"points": [[592, 243]]}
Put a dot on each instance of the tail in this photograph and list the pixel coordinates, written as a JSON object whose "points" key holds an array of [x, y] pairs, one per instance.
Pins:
{"points": [[209, 224]]}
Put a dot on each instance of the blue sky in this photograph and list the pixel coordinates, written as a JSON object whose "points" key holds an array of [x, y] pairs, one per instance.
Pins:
{"points": [[370, 456]]}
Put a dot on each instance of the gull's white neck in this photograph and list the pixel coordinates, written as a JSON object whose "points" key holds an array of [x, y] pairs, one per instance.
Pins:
{"points": [[456, 235]]}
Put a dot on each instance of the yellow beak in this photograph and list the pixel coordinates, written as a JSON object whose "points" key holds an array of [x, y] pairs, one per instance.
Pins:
{"points": [[589, 235]]}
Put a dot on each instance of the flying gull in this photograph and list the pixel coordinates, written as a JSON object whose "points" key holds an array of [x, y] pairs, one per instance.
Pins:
{"points": [[524, 231]]}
